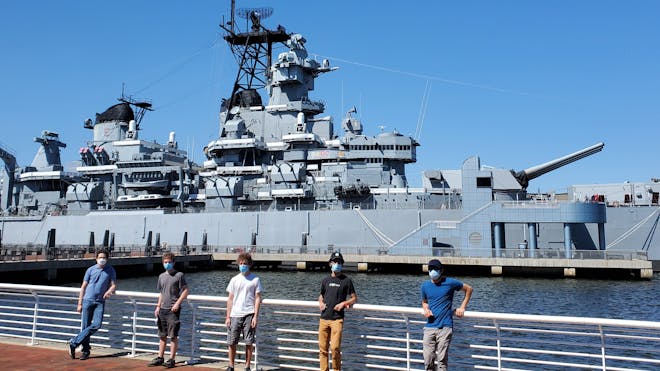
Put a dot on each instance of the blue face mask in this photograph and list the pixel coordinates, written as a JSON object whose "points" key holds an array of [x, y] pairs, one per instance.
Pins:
{"points": [[434, 274], [335, 267], [243, 268], [168, 266]]}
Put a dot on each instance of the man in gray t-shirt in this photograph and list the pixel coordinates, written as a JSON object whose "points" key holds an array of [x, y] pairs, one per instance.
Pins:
{"points": [[173, 291]]}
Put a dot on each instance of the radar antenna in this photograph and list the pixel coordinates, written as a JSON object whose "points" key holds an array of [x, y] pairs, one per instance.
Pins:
{"points": [[142, 106], [252, 48], [255, 15]]}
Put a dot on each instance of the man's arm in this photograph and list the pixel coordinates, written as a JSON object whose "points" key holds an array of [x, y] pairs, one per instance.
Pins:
{"points": [[111, 290], [347, 303], [425, 309], [182, 297], [230, 303], [467, 289], [160, 301], [257, 305], [321, 303], [83, 287]]}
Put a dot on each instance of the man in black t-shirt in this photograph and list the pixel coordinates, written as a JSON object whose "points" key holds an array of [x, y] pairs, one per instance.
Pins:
{"points": [[337, 293]]}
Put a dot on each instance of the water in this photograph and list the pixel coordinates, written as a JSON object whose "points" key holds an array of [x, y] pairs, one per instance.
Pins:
{"points": [[635, 300]]}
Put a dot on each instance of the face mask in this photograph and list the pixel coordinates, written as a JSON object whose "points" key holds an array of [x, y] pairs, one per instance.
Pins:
{"points": [[335, 267], [168, 266], [434, 274], [101, 261], [243, 268]]}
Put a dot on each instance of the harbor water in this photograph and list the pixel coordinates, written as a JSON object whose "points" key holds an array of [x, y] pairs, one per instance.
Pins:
{"points": [[635, 300]]}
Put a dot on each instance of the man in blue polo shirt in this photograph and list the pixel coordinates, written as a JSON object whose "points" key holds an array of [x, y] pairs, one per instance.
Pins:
{"points": [[99, 283], [437, 297]]}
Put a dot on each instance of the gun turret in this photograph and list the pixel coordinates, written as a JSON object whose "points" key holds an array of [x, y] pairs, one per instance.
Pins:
{"points": [[533, 172]]}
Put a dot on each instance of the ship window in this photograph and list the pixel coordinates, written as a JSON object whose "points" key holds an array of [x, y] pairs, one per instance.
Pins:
{"points": [[483, 182]]}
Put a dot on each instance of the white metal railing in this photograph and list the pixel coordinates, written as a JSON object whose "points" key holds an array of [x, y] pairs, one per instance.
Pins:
{"points": [[375, 337]]}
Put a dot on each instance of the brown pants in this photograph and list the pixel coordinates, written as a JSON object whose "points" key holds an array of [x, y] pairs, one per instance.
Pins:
{"points": [[330, 332]]}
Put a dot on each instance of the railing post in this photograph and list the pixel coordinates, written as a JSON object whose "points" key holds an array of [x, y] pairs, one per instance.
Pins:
{"points": [[602, 347], [255, 354], [407, 319], [499, 345], [134, 327], [35, 321], [193, 335]]}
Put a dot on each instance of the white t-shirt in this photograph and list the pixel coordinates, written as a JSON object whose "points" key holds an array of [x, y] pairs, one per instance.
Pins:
{"points": [[245, 289]]}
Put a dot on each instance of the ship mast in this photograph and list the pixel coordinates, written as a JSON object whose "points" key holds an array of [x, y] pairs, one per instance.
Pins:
{"points": [[252, 48]]}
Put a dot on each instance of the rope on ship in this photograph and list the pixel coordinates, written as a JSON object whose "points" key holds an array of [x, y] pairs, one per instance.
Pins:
{"points": [[649, 237], [388, 241], [634, 228]]}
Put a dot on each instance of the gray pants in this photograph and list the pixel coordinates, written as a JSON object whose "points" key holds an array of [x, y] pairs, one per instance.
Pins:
{"points": [[436, 345]]}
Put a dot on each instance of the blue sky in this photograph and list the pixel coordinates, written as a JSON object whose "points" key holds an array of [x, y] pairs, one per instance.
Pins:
{"points": [[516, 82]]}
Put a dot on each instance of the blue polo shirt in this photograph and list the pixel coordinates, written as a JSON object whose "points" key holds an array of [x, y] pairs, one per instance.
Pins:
{"points": [[439, 296], [98, 281]]}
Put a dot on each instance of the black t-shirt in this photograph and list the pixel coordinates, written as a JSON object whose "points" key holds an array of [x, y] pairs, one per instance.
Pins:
{"points": [[335, 290]]}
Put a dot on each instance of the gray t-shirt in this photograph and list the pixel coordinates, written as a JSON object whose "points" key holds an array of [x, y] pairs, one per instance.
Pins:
{"points": [[170, 286]]}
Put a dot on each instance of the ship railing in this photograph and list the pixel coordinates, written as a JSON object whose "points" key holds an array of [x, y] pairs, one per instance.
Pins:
{"points": [[375, 336], [509, 252], [66, 252], [550, 204]]}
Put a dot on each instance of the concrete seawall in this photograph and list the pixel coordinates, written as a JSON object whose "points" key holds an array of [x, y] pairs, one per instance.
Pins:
{"points": [[528, 267]]}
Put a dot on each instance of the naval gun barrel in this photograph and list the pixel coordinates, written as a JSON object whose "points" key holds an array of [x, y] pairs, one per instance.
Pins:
{"points": [[533, 172]]}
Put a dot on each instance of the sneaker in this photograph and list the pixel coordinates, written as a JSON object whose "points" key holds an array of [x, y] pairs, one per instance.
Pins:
{"points": [[156, 361], [230, 368], [248, 369], [170, 363], [72, 350], [84, 356]]}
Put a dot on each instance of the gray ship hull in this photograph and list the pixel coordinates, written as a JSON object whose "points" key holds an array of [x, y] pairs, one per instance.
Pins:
{"points": [[359, 231]]}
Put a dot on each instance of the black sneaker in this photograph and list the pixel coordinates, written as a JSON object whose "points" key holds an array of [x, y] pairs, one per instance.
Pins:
{"points": [[170, 363], [230, 368], [84, 356], [156, 361], [72, 350], [248, 369]]}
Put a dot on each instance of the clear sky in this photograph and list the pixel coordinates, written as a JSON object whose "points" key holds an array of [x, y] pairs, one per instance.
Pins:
{"points": [[516, 82]]}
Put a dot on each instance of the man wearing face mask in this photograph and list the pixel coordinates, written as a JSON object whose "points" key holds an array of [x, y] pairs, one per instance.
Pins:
{"points": [[173, 291], [437, 297], [337, 293], [99, 282], [243, 306]]}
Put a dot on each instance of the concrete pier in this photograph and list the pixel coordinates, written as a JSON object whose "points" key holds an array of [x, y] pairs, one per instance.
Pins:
{"points": [[528, 267], [49, 270]]}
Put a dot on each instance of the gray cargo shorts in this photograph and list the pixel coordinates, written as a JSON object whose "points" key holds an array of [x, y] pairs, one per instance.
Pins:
{"points": [[238, 325]]}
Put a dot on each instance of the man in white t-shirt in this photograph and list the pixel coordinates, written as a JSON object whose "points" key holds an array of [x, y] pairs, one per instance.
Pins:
{"points": [[243, 309]]}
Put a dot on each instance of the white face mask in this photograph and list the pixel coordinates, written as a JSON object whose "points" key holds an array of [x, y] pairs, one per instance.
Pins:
{"points": [[101, 261]]}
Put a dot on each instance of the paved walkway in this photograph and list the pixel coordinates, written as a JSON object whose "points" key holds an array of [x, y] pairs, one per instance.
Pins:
{"points": [[54, 356]]}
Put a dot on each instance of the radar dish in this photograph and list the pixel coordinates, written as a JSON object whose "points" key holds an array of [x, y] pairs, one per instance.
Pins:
{"points": [[260, 13]]}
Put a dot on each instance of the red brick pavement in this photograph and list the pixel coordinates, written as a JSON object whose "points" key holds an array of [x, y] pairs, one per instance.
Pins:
{"points": [[51, 357]]}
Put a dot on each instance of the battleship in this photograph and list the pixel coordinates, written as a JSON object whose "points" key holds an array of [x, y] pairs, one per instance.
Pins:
{"points": [[281, 177]]}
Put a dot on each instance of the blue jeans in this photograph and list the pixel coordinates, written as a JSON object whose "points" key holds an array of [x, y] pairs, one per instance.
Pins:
{"points": [[92, 317]]}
